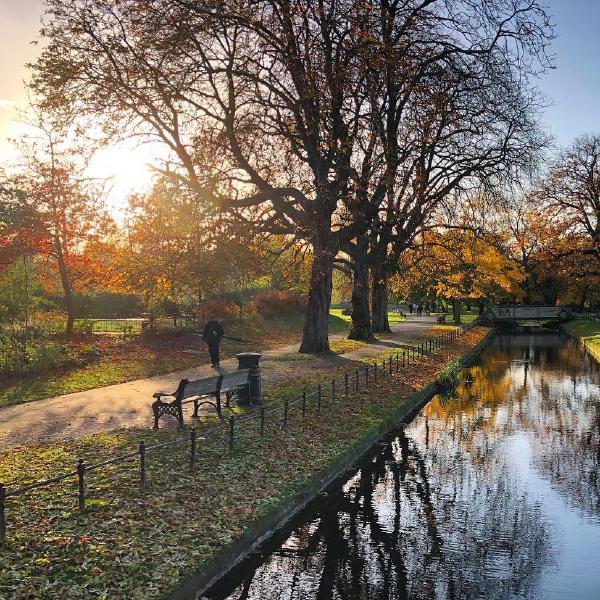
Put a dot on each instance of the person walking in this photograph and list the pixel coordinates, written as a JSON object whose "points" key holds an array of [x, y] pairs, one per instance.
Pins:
{"points": [[410, 307], [212, 334]]}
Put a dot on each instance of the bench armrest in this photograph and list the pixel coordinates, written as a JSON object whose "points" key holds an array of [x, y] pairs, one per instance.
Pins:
{"points": [[158, 395]]}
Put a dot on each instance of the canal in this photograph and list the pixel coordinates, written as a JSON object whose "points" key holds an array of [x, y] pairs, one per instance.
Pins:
{"points": [[491, 492]]}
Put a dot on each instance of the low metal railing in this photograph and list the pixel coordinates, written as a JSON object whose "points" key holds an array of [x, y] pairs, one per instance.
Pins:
{"points": [[331, 391]]}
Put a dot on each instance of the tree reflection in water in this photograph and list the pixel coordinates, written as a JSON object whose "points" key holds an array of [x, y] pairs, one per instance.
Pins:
{"points": [[441, 511]]}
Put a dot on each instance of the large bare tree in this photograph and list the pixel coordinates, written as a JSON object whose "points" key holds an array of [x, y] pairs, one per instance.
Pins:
{"points": [[289, 93], [458, 112], [572, 187]]}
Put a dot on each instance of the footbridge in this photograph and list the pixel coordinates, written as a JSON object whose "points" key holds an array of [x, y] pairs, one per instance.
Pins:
{"points": [[520, 312]]}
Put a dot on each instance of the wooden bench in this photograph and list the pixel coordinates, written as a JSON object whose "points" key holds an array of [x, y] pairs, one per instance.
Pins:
{"points": [[199, 391], [441, 320]]}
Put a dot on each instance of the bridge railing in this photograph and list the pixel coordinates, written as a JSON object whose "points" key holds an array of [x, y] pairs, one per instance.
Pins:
{"points": [[521, 312]]}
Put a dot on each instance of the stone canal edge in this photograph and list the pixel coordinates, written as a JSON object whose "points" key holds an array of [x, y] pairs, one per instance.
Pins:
{"points": [[196, 584], [593, 352]]}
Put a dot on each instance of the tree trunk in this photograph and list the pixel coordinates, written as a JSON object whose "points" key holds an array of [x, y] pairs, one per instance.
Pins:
{"points": [[379, 293], [361, 314], [315, 334], [583, 298], [456, 311], [66, 285]]}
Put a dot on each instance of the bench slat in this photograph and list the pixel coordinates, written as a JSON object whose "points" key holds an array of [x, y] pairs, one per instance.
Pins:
{"points": [[235, 379], [201, 387]]}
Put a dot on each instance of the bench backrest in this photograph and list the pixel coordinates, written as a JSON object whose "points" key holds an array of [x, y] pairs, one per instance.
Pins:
{"points": [[235, 379], [201, 387]]}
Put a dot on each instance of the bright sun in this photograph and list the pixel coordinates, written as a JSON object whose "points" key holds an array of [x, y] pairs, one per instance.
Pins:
{"points": [[128, 171]]}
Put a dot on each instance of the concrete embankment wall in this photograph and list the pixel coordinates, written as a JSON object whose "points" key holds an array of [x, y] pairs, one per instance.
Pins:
{"points": [[195, 585], [591, 350]]}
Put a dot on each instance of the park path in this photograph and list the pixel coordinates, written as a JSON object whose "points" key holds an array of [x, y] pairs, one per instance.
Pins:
{"points": [[128, 404]]}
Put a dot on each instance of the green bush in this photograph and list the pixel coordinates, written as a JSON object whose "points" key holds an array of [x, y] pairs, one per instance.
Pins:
{"points": [[84, 326], [448, 376], [22, 357]]}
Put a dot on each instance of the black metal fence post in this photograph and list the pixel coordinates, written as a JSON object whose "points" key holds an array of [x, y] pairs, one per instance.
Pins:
{"points": [[319, 397], [262, 419], [286, 408], [357, 374], [346, 386], [403, 358], [2, 513], [333, 390], [397, 361], [81, 485], [376, 369], [142, 453], [366, 375], [231, 432], [303, 404], [192, 449]]}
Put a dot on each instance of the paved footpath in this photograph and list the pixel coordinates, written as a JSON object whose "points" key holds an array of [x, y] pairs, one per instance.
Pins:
{"points": [[128, 404]]}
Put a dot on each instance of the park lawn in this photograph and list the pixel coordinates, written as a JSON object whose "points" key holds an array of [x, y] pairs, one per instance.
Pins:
{"points": [[136, 357], [338, 346], [393, 317], [588, 333], [139, 545]]}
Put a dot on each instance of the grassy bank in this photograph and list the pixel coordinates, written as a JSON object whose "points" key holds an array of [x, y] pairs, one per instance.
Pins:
{"points": [[116, 360], [138, 545], [393, 317], [588, 333]]}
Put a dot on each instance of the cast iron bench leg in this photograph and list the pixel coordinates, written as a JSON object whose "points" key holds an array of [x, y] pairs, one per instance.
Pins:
{"points": [[155, 410]]}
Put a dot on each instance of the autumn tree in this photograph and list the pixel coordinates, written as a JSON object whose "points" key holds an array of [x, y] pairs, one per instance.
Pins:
{"points": [[62, 207], [457, 264], [556, 258], [278, 83], [177, 245]]}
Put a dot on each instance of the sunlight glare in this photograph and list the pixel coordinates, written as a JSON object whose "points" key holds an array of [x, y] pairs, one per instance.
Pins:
{"points": [[128, 171]]}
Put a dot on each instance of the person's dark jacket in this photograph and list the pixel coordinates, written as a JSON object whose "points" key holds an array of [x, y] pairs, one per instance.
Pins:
{"points": [[213, 332]]}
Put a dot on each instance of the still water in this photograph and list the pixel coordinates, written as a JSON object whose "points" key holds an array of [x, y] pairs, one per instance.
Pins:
{"points": [[492, 492]]}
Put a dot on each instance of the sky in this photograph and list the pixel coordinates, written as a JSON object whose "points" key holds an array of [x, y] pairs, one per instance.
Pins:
{"points": [[573, 87]]}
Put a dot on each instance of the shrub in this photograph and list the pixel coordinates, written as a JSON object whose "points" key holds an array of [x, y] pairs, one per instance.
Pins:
{"points": [[84, 326], [273, 304], [22, 357], [224, 310], [448, 376]]}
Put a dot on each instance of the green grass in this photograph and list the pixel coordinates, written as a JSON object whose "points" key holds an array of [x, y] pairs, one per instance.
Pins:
{"points": [[139, 545], [393, 317], [100, 374], [466, 317], [339, 346], [120, 326], [588, 333]]}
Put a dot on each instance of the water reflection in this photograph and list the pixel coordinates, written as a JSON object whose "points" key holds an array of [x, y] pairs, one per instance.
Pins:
{"points": [[479, 497]]}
